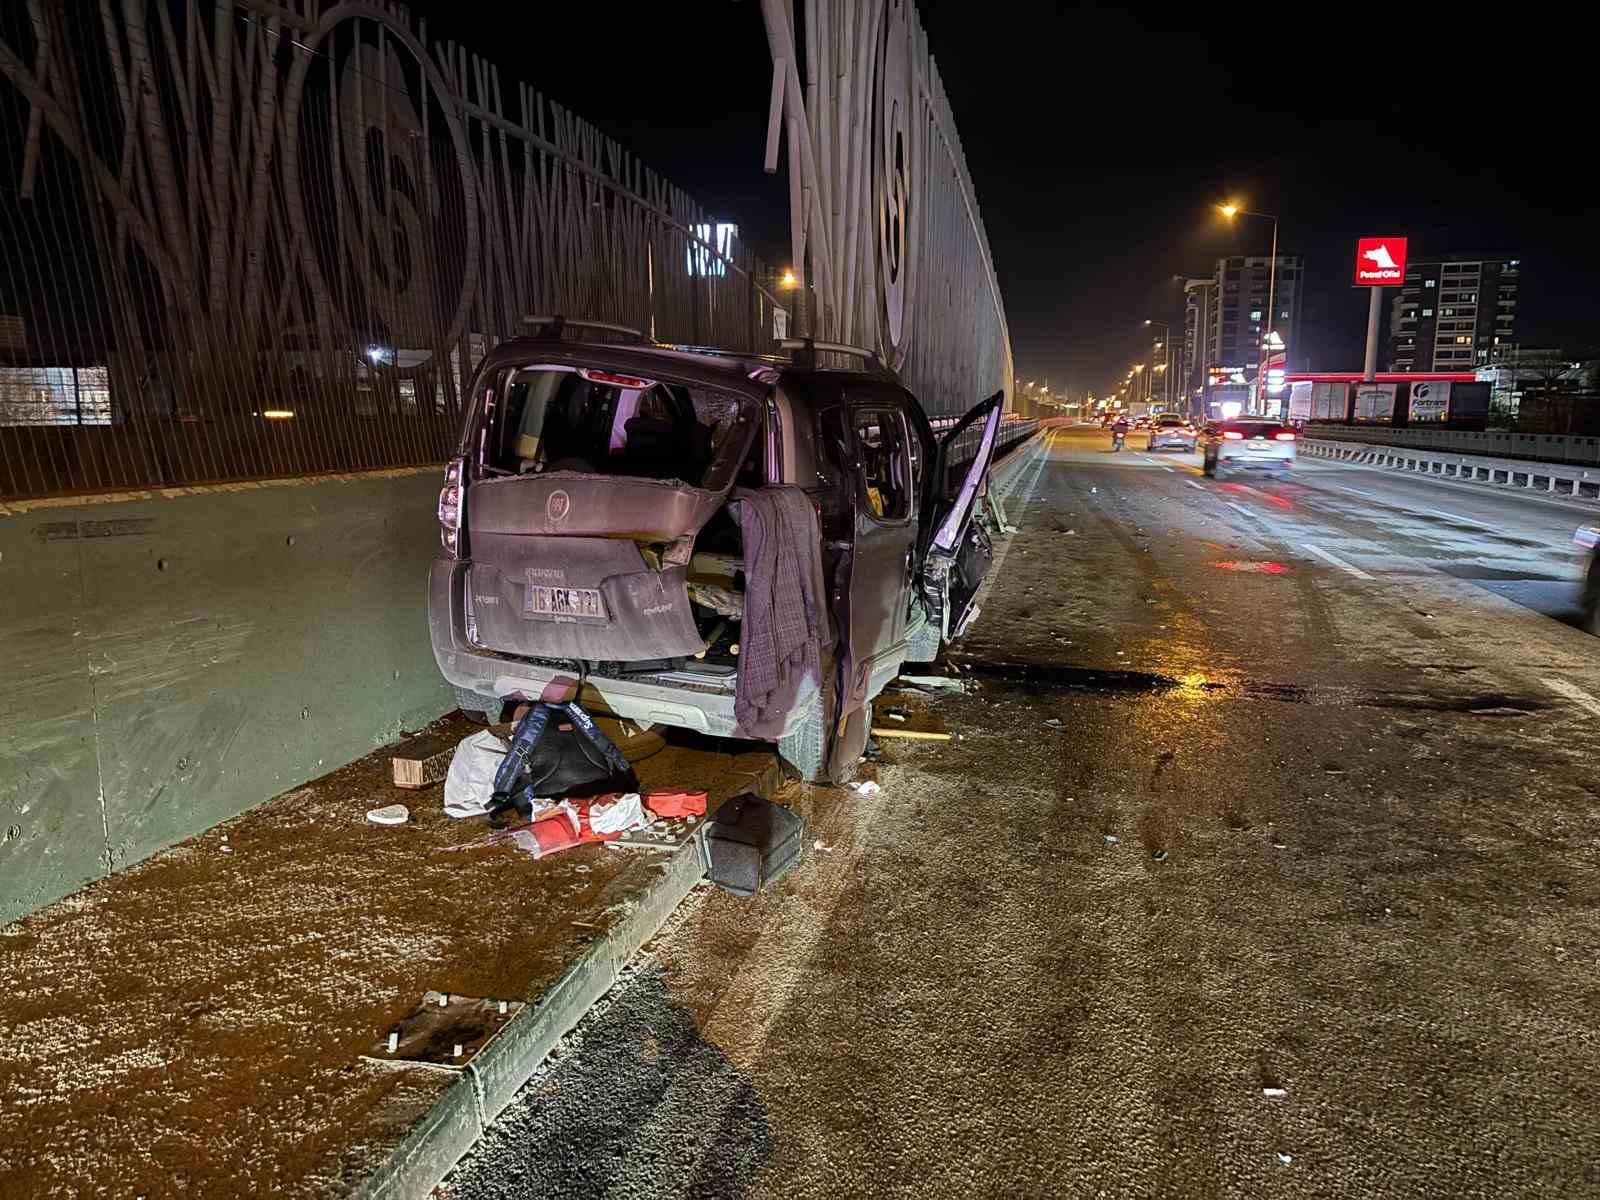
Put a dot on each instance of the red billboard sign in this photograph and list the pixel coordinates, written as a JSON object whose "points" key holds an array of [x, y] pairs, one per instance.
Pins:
{"points": [[1380, 261]]}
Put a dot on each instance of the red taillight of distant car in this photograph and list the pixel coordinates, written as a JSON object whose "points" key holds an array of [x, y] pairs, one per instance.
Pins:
{"points": [[1233, 435], [1285, 436]]}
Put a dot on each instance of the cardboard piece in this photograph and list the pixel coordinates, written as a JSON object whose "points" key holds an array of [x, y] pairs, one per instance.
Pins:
{"points": [[421, 761]]}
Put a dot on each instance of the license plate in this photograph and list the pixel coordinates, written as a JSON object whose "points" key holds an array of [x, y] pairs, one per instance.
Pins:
{"points": [[583, 604], [1259, 445]]}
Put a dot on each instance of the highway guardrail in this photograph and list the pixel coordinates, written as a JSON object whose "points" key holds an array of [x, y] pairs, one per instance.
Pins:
{"points": [[1496, 443], [1559, 479]]}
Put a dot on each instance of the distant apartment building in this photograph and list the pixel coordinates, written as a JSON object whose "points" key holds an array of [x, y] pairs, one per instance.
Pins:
{"points": [[1199, 307], [1454, 314], [1239, 317]]}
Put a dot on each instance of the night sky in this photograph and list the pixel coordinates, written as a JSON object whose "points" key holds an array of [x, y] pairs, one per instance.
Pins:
{"points": [[1098, 139]]}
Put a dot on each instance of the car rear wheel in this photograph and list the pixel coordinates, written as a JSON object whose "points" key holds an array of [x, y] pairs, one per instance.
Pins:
{"points": [[805, 751], [479, 708]]}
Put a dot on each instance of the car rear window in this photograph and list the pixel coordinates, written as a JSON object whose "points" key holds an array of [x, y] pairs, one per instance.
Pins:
{"points": [[562, 418]]}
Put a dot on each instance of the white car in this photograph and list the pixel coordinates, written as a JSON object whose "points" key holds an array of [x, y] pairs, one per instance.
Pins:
{"points": [[1249, 444], [1172, 432]]}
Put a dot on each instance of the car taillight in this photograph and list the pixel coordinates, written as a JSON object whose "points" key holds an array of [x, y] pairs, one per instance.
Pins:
{"points": [[1285, 436], [632, 382], [1233, 435], [450, 509]]}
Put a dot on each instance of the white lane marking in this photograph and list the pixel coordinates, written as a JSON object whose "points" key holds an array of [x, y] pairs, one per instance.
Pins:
{"points": [[1439, 512], [1358, 491], [1576, 694], [1164, 467], [1336, 561], [1193, 484], [1392, 502], [1249, 512]]}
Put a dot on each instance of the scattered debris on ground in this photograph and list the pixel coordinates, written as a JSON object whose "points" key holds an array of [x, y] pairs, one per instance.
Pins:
{"points": [[443, 1031]]}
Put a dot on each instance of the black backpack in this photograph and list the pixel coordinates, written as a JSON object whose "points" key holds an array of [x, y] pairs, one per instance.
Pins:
{"points": [[546, 760]]}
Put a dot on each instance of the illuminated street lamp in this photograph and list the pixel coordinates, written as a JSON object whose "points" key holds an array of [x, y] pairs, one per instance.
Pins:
{"points": [[787, 280], [1229, 211]]}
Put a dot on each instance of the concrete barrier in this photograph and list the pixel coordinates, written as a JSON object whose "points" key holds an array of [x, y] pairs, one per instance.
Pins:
{"points": [[173, 658], [1519, 473]]}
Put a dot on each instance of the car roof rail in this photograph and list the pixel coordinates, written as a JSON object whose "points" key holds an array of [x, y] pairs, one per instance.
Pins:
{"points": [[559, 324], [804, 352], [720, 352]]}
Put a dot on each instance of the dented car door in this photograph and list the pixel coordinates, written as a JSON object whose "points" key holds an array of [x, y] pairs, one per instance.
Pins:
{"points": [[957, 550]]}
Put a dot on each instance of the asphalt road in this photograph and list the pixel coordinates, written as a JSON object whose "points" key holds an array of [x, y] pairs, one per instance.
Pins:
{"points": [[1265, 864]]}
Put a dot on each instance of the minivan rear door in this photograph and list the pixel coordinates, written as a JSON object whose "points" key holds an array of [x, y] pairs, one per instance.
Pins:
{"points": [[958, 551], [581, 516]]}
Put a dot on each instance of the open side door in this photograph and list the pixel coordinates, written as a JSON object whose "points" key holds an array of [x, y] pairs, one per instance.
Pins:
{"points": [[958, 551]]}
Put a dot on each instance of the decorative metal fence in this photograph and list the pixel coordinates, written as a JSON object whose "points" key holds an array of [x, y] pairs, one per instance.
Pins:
{"points": [[255, 238], [883, 215]]}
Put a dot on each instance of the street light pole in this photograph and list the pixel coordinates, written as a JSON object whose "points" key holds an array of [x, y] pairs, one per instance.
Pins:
{"points": [[1233, 210], [1272, 317]]}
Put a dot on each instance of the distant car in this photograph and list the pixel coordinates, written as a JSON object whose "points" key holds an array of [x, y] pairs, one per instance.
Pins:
{"points": [[1172, 432], [1248, 444], [1142, 423]]}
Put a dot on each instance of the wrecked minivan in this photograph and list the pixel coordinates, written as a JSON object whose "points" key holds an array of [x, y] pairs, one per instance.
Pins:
{"points": [[737, 544]]}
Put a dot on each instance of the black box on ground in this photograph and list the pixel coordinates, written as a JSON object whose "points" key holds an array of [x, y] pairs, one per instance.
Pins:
{"points": [[750, 843]]}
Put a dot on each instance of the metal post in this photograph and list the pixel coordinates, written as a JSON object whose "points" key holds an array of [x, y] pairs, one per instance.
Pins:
{"points": [[1272, 301], [1369, 368]]}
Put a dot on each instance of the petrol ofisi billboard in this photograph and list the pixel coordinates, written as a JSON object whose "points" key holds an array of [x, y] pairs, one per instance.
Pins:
{"points": [[1380, 261]]}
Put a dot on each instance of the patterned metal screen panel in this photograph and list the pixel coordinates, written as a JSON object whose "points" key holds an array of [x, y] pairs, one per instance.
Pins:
{"points": [[262, 239]]}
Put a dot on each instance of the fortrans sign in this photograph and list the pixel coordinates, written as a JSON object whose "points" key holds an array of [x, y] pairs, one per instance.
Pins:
{"points": [[1380, 261]]}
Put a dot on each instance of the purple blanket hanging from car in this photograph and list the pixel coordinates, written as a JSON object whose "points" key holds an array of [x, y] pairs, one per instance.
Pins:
{"points": [[786, 638]]}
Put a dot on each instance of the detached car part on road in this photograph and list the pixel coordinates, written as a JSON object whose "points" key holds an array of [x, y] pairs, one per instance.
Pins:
{"points": [[587, 531], [1260, 446]]}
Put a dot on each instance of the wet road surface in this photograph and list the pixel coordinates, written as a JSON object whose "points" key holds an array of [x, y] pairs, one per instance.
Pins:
{"points": [[1265, 863]]}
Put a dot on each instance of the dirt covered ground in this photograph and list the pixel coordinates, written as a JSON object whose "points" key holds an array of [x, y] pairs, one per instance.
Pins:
{"points": [[192, 1026]]}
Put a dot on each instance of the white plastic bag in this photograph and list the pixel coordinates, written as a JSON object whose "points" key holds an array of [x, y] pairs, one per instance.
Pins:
{"points": [[469, 783], [617, 816]]}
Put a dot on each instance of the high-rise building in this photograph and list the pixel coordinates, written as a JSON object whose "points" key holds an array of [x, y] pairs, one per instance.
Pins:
{"points": [[1239, 312], [1454, 314], [1199, 306]]}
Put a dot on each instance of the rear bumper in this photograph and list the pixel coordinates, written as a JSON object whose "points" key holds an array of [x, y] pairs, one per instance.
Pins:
{"points": [[1171, 442], [684, 703], [1246, 460]]}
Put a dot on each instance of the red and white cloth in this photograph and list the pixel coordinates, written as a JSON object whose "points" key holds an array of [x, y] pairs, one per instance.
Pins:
{"points": [[571, 823], [670, 806]]}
